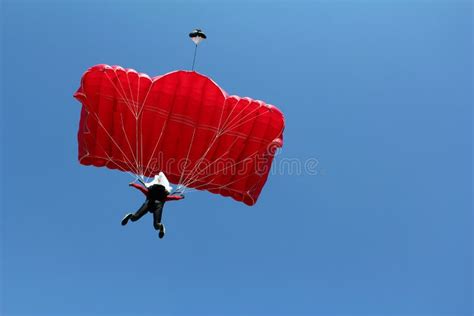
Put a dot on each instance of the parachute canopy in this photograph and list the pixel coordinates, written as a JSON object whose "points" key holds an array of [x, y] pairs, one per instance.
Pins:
{"points": [[181, 123]]}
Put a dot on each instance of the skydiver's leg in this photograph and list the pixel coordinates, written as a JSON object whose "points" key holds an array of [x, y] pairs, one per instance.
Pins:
{"points": [[157, 213], [138, 214], [141, 211]]}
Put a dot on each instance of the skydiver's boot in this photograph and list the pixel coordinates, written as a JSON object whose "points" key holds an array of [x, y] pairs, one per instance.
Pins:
{"points": [[161, 234], [126, 218]]}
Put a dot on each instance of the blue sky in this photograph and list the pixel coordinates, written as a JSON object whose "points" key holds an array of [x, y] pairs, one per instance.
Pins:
{"points": [[379, 92]]}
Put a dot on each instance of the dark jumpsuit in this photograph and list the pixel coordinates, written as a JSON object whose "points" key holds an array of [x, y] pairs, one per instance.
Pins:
{"points": [[156, 196]]}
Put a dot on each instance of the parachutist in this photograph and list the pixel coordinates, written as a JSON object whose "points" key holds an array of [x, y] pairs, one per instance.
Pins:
{"points": [[157, 192]]}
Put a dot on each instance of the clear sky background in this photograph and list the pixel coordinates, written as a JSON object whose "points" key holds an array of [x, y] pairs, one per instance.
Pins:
{"points": [[379, 92]]}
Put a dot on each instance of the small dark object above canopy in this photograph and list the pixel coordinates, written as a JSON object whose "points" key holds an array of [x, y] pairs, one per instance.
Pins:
{"points": [[197, 36]]}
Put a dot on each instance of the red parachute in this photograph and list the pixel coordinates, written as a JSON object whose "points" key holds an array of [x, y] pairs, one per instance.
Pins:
{"points": [[181, 123]]}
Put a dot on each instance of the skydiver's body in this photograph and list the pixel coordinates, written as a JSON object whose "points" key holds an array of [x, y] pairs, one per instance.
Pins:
{"points": [[156, 197]]}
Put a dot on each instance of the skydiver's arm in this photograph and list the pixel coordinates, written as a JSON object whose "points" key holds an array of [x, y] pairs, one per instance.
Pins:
{"points": [[174, 197], [139, 187]]}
